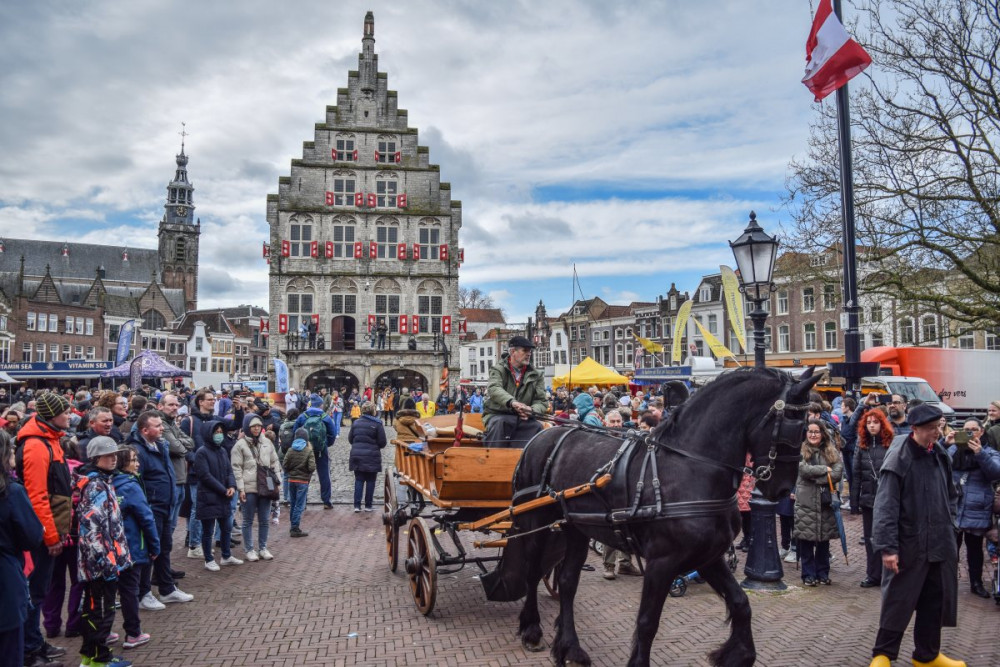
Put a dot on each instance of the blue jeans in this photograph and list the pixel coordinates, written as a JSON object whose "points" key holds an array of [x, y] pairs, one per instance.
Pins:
{"points": [[298, 492], [194, 525], [323, 471], [208, 526], [364, 481], [175, 511], [337, 416], [38, 586], [815, 559], [261, 508]]}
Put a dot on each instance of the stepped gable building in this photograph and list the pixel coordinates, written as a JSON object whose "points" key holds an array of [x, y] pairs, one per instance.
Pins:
{"points": [[363, 230], [66, 301]]}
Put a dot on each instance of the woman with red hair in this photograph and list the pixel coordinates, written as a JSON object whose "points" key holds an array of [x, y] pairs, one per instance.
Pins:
{"points": [[874, 437]]}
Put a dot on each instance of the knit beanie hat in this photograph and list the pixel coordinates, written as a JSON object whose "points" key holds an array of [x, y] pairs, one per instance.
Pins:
{"points": [[49, 405], [301, 434], [316, 401]]}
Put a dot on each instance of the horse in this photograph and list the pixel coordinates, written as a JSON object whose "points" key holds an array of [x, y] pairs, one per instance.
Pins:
{"points": [[671, 502]]}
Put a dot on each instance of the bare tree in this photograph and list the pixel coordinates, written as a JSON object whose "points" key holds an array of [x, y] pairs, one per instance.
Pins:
{"points": [[474, 298], [926, 135]]}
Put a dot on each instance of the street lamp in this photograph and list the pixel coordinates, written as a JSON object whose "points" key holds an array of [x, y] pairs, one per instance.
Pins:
{"points": [[755, 252]]}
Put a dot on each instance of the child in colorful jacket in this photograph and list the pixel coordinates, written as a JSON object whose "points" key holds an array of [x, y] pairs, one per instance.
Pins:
{"points": [[103, 552]]}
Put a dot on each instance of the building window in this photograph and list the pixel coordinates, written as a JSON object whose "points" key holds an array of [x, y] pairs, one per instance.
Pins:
{"points": [[992, 340], [345, 153], [966, 339], [199, 344], [30, 322], [767, 339], [597, 336], [386, 239], [575, 356], [153, 320], [819, 260], [79, 352], [40, 352], [782, 302], [619, 354], [344, 304], [69, 324], [830, 335], [26, 352], [628, 354], [808, 299], [705, 294], [784, 338], [80, 322], [301, 238], [43, 323], [90, 326], [829, 297], [558, 339], [387, 307], [878, 339], [876, 314], [809, 337], [386, 152], [343, 241], [713, 323], [906, 331], [429, 310], [430, 242], [67, 352], [180, 250], [204, 364], [928, 329], [385, 191], [343, 191], [54, 353]]}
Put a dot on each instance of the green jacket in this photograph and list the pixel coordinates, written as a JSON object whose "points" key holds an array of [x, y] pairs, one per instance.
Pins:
{"points": [[502, 390]]}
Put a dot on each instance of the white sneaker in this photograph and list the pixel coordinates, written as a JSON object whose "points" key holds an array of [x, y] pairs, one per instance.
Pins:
{"points": [[212, 566], [265, 554], [252, 556], [177, 596], [196, 553], [232, 560], [782, 553], [791, 557], [150, 603]]}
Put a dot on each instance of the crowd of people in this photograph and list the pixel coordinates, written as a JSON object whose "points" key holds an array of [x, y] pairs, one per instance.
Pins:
{"points": [[93, 485]]}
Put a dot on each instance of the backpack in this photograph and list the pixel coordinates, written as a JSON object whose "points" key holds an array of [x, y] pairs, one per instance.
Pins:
{"points": [[316, 429], [286, 434]]}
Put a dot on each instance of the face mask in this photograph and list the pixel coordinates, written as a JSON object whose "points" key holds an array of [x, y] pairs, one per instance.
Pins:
{"points": [[217, 438]]}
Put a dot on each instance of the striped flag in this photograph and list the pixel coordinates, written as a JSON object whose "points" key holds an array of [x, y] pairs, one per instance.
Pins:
{"points": [[832, 57]]}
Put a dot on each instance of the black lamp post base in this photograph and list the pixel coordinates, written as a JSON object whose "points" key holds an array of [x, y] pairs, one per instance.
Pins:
{"points": [[763, 567]]}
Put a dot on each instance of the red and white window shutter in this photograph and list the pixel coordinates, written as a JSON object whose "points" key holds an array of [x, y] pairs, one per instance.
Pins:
{"points": [[314, 248], [372, 249], [359, 199], [402, 324], [372, 201], [444, 252], [401, 201], [329, 198], [266, 250], [355, 155], [416, 324], [401, 251], [446, 324], [371, 323], [358, 250], [329, 249], [286, 248], [399, 157], [282, 323], [461, 255], [416, 251]]}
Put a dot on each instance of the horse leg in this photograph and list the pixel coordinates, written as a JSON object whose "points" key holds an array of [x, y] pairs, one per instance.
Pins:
{"points": [[529, 627], [659, 576], [566, 645], [738, 651]]}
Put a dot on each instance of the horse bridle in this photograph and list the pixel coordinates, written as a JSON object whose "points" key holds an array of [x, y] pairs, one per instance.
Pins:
{"points": [[785, 432]]}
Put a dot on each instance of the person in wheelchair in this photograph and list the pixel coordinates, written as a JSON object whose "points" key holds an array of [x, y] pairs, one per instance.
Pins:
{"points": [[515, 393]]}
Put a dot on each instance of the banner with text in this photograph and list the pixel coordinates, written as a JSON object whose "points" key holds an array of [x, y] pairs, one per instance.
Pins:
{"points": [[679, 328], [124, 342], [734, 304]]}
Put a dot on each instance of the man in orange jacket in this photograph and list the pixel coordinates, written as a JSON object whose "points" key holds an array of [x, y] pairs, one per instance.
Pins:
{"points": [[41, 465]]}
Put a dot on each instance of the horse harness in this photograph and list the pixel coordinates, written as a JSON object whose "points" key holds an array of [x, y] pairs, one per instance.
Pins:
{"points": [[624, 506]]}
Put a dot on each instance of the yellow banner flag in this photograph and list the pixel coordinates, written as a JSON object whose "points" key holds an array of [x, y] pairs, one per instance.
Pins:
{"points": [[679, 327], [718, 349], [734, 305], [649, 345]]}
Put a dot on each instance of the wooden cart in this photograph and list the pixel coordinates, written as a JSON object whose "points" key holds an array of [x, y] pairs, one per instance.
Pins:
{"points": [[446, 489]]}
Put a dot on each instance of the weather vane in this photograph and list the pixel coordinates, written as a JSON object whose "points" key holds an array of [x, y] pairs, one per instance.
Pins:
{"points": [[183, 134]]}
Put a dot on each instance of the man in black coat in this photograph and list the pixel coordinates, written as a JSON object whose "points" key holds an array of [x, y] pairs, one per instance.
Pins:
{"points": [[914, 531]]}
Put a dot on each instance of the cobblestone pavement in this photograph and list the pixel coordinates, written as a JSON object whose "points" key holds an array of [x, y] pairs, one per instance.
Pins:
{"points": [[329, 599]]}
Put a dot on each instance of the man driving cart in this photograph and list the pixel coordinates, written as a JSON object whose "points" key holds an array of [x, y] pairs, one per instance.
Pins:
{"points": [[515, 393]]}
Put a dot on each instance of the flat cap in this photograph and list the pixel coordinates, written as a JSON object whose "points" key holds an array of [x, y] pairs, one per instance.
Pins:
{"points": [[923, 414]]}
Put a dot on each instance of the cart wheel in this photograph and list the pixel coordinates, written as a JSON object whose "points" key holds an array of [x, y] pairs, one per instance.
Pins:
{"points": [[597, 547], [390, 505], [678, 588], [551, 580], [421, 565]]}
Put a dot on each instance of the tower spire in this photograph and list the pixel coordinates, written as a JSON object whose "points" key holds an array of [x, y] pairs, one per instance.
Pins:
{"points": [[368, 61], [180, 193]]}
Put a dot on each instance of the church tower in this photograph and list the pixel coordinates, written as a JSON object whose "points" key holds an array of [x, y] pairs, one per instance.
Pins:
{"points": [[178, 236]]}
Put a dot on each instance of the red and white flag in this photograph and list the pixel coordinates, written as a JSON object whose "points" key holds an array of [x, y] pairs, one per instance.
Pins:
{"points": [[832, 57]]}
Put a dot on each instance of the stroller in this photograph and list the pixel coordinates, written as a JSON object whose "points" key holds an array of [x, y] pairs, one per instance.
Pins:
{"points": [[993, 548], [680, 585]]}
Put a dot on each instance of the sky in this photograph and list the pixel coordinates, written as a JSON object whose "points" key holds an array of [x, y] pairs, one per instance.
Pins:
{"points": [[627, 140]]}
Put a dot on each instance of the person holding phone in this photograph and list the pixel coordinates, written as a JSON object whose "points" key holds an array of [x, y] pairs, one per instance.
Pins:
{"points": [[975, 466]]}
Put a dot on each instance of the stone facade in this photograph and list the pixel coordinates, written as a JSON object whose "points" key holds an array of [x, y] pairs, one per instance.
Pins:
{"points": [[363, 230]]}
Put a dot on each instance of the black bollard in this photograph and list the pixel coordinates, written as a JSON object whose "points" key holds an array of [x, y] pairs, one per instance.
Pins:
{"points": [[763, 568]]}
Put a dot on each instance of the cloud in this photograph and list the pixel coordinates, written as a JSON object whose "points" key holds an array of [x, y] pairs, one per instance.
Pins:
{"points": [[511, 98]]}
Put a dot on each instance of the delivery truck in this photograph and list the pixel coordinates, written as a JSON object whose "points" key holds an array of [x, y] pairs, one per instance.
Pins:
{"points": [[965, 380]]}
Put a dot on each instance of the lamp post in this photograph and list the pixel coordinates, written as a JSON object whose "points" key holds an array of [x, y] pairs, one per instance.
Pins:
{"points": [[755, 252]]}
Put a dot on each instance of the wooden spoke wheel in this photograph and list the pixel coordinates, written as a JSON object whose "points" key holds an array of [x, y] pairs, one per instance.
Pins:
{"points": [[390, 506], [421, 565], [551, 580]]}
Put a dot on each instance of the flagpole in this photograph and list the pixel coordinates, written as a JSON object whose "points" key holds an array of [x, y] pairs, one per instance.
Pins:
{"points": [[852, 338]]}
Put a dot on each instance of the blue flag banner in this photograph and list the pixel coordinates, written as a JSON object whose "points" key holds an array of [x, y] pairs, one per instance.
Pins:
{"points": [[280, 376], [124, 342]]}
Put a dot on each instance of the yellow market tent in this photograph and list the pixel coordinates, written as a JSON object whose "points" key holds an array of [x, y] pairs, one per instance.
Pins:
{"points": [[589, 373]]}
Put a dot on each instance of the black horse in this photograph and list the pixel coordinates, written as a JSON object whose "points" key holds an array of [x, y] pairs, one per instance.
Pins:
{"points": [[672, 502]]}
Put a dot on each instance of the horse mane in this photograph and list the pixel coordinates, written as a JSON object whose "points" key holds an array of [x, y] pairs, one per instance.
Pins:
{"points": [[769, 378]]}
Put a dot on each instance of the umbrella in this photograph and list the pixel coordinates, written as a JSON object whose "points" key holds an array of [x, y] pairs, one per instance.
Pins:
{"points": [[835, 505]]}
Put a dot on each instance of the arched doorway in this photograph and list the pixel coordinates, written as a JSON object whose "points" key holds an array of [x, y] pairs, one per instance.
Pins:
{"points": [[398, 378], [342, 333], [332, 379]]}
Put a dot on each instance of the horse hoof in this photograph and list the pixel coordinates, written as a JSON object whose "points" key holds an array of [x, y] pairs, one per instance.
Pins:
{"points": [[533, 647]]}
